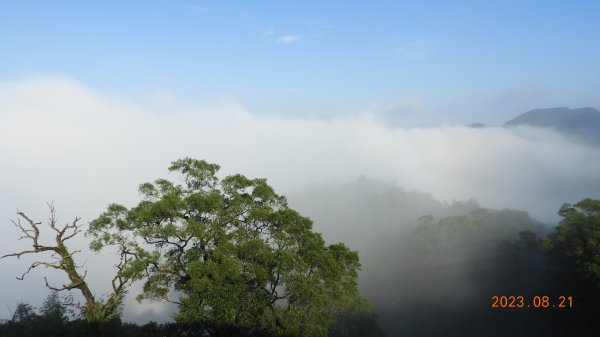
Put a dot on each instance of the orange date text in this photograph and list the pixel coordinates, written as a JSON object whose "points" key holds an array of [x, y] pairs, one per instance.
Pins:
{"points": [[536, 302]]}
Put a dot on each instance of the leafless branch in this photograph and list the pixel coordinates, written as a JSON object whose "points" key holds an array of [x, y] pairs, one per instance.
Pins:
{"points": [[37, 264], [62, 259], [64, 287]]}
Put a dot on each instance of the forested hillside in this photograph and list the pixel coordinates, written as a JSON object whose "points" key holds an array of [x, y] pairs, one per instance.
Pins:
{"points": [[427, 261]]}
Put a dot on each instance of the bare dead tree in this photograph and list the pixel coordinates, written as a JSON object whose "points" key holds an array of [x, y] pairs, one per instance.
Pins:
{"points": [[93, 308]]}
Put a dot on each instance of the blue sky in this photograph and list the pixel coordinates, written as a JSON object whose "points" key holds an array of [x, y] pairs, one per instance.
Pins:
{"points": [[419, 62]]}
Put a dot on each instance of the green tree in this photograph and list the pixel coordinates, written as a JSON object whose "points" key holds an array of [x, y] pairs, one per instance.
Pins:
{"points": [[356, 320], [576, 240], [231, 253], [24, 313], [53, 308], [53, 317], [24, 322]]}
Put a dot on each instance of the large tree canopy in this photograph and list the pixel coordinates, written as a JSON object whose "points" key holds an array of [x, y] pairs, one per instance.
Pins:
{"points": [[231, 253], [577, 238]]}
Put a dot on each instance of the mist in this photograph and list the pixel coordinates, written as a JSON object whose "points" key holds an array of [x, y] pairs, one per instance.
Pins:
{"points": [[423, 260], [65, 142]]}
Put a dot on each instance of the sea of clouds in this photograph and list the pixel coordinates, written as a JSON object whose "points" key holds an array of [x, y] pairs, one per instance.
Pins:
{"points": [[64, 142]]}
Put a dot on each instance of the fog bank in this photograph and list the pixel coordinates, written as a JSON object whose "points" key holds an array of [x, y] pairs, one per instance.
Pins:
{"points": [[64, 142]]}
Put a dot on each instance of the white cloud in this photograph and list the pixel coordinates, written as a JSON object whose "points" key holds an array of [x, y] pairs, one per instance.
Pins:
{"points": [[57, 135], [62, 141], [287, 39]]}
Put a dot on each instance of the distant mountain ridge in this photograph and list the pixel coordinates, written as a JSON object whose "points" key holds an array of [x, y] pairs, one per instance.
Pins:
{"points": [[582, 123]]}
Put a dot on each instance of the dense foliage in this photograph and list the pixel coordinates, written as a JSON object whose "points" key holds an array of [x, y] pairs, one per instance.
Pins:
{"points": [[54, 318], [231, 253], [447, 271], [428, 261], [576, 240]]}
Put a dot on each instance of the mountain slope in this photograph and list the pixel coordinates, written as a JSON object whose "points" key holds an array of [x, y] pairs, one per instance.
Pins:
{"points": [[582, 124]]}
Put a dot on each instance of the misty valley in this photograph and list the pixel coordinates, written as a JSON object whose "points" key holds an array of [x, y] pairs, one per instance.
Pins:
{"points": [[226, 255], [433, 269]]}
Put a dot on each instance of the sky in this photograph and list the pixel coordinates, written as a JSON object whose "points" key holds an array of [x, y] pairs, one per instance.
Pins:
{"points": [[417, 63], [96, 98]]}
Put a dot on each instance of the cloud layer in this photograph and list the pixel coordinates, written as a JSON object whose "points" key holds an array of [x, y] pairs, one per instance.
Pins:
{"points": [[287, 39], [64, 142]]}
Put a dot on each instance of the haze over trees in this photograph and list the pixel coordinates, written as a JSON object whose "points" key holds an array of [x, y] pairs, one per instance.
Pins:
{"points": [[230, 252], [237, 260], [443, 271], [429, 261]]}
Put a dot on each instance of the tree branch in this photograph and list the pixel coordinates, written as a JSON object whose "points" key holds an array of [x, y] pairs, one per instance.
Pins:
{"points": [[63, 260]]}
